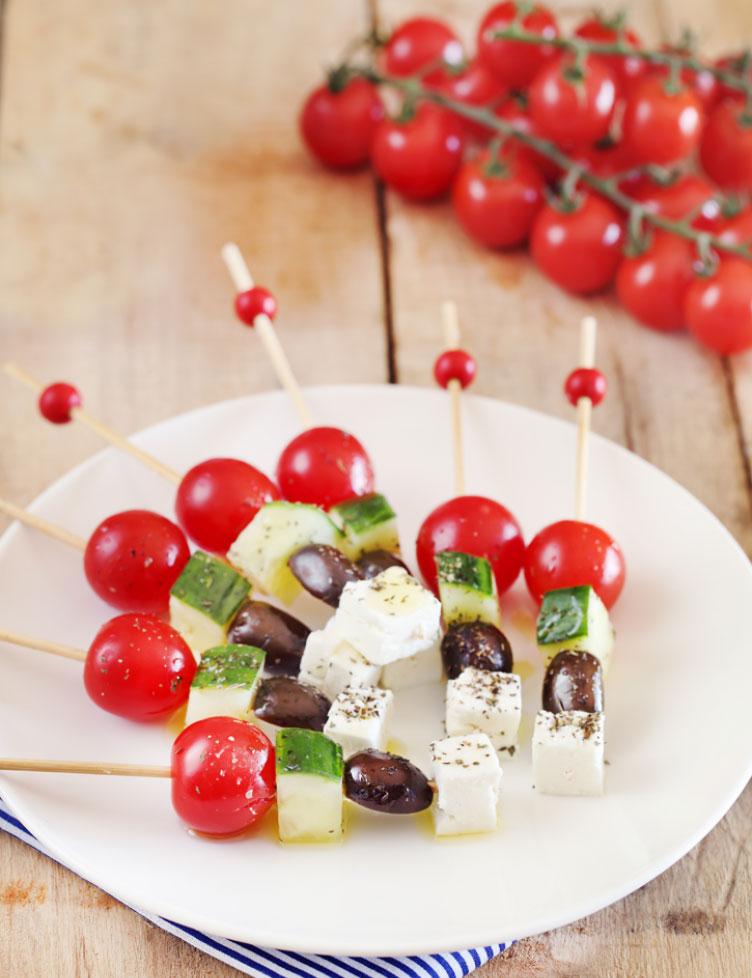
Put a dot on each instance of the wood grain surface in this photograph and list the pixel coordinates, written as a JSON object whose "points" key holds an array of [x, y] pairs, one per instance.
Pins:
{"points": [[134, 139]]}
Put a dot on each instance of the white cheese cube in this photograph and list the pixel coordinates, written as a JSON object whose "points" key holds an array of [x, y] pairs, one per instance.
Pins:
{"points": [[358, 719], [347, 667], [318, 650], [417, 670], [479, 701], [467, 774], [389, 617], [198, 630], [568, 753]]}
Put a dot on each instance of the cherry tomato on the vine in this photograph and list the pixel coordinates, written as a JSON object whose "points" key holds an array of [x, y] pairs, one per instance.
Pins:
{"points": [[737, 229], [324, 466], [337, 123], [516, 111], [133, 558], [218, 498], [419, 157], [496, 199], [420, 43], [475, 86], [570, 553], [739, 64], [718, 308], [513, 62], [703, 84], [653, 285], [139, 667], [578, 247], [475, 525], [726, 147], [627, 69], [688, 196], [661, 125], [223, 777], [573, 105]]}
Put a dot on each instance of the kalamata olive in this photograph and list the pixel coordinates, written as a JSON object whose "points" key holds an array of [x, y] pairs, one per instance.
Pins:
{"points": [[374, 562], [573, 681], [281, 636], [478, 644], [324, 571], [386, 783], [287, 702]]}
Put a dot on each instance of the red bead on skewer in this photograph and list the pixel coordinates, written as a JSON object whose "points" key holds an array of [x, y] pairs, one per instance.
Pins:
{"points": [[585, 382], [254, 302], [455, 365], [57, 401]]}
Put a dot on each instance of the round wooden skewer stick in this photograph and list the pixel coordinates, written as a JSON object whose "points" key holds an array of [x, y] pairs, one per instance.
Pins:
{"points": [[42, 645], [103, 430], [588, 330], [50, 529], [243, 281], [86, 767], [451, 324]]}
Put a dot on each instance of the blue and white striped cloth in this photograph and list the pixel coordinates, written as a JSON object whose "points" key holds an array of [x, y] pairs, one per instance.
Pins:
{"points": [[263, 962]]}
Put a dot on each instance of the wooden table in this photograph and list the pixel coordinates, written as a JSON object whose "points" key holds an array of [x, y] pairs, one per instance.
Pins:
{"points": [[136, 138]]}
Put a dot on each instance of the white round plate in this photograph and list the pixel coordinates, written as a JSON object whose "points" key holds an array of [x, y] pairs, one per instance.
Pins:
{"points": [[679, 727]]}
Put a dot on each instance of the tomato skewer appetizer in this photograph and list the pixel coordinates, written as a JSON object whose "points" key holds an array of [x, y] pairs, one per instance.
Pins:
{"points": [[573, 553], [468, 524], [137, 666]]}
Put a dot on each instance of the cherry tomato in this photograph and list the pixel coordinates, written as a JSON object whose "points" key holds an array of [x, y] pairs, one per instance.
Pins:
{"points": [[578, 249], [223, 778], [324, 466], [726, 147], [475, 86], [455, 365], [703, 83], [337, 124], [570, 553], [420, 157], [661, 126], [133, 558], [627, 69], [139, 667], [513, 62], [496, 200], [473, 525], [573, 108], [653, 285], [718, 308], [418, 43], [57, 401], [737, 229], [515, 111], [218, 498], [687, 195], [609, 160]]}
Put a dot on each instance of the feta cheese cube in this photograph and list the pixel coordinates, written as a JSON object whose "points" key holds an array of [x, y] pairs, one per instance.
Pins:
{"points": [[347, 667], [225, 683], [575, 618], [417, 670], [568, 753], [318, 649], [310, 771], [358, 719], [479, 701], [389, 617], [467, 774]]}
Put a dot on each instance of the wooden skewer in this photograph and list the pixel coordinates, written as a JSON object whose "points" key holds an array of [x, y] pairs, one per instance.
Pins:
{"points": [[451, 323], [86, 767], [588, 330], [243, 281], [42, 645], [50, 529], [103, 430]]}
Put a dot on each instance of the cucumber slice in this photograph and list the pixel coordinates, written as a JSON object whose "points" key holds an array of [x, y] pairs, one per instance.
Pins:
{"points": [[369, 523], [278, 530], [310, 771], [225, 683], [204, 599], [575, 618], [467, 588]]}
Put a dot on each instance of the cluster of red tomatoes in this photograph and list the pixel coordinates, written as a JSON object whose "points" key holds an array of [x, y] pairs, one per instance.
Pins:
{"points": [[610, 114]]}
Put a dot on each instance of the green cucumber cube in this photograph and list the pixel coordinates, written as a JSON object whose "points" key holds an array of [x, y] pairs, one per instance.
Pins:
{"points": [[310, 772], [467, 588], [225, 683], [369, 523], [276, 532], [204, 600], [575, 618]]}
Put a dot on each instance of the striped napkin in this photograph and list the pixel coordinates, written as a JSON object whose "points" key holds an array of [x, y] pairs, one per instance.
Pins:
{"points": [[263, 962]]}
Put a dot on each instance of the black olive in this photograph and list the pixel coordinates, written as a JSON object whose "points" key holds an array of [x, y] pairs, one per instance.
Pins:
{"points": [[375, 562], [573, 681], [281, 636], [478, 644], [286, 702], [386, 783], [323, 571]]}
